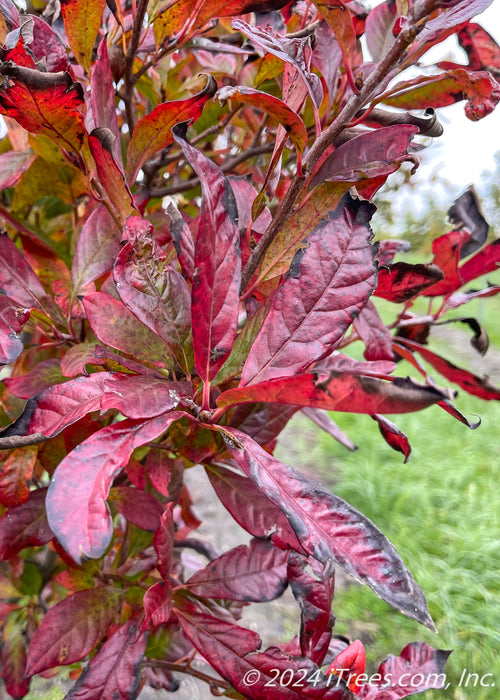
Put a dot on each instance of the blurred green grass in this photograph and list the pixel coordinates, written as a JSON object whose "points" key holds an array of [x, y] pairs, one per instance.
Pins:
{"points": [[440, 510]]}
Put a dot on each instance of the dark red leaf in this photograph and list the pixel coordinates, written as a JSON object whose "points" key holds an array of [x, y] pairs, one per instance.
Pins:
{"points": [[44, 375], [137, 396], [379, 26], [447, 251], [163, 541], [72, 628], [76, 499], [453, 411], [331, 529], [13, 164], [255, 573], [137, 506], [340, 21], [263, 422], [328, 283], [165, 473], [465, 212], [96, 249], [418, 668], [479, 88], [482, 50], [156, 294], [17, 278], [313, 586], [12, 320], [102, 98], [451, 16], [13, 656], [477, 386], [117, 327], [374, 334], [24, 526], [45, 103], [403, 281], [389, 248], [82, 21], [250, 507], [323, 420], [154, 131], [372, 154], [111, 177], [217, 275], [338, 362], [157, 604], [394, 437], [340, 392], [114, 673], [486, 260], [183, 241], [15, 474]]}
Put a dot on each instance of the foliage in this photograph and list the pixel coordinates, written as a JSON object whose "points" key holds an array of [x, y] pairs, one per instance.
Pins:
{"points": [[145, 336]]}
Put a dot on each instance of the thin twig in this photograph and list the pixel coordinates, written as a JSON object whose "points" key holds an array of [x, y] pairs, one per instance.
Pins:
{"points": [[130, 80], [186, 668]]}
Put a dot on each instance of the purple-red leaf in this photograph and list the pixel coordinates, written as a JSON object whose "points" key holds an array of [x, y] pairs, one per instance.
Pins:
{"points": [[379, 26], [351, 393], [137, 506], [136, 396], [372, 154], [330, 529], [419, 667], [72, 628], [374, 334], [44, 375], [255, 573], [313, 586], [96, 249], [217, 259], [24, 526], [403, 281], [157, 604], [17, 278], [102, 98], [156, 294], [327, 284], [250, 507], [263, 422], [154, 131], [114, 673], [393, 436], [76, 500], [13, 164], [117, 327], [163, 541], [111, 177], [323, 420], [12, 320]]}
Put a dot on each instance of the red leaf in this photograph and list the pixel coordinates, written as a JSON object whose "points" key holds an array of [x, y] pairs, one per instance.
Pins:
{"points": [[313, 586], [115, 671], [418, 668], [111, 177], [156, 294], [323, 420], [374, 334], [182, 239], [351, 662], [263, 422], [137, 506], [217, 275], [82, 21], [44, 375], [47, 47], [446, 251], [76, 499], [372, 154], [394, 437], [102, 98], [15, 474], [13, 165], [477, 386], [379, 26], [72, 628], [331, 529], [480, 47], [255, 573], [13, 656], [403, 281], [486, 260], [117, 327], [250, 507], [479, 88], [451, 16], [45, 103], [337, 362], [157, 604], [278, 109], [24, 526], [96, 249], [328, 283], [340, 392], [12, 320], [17, 278], [137, 396], [389, 248], [339, 18], [163, 541], [154, 131]]}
